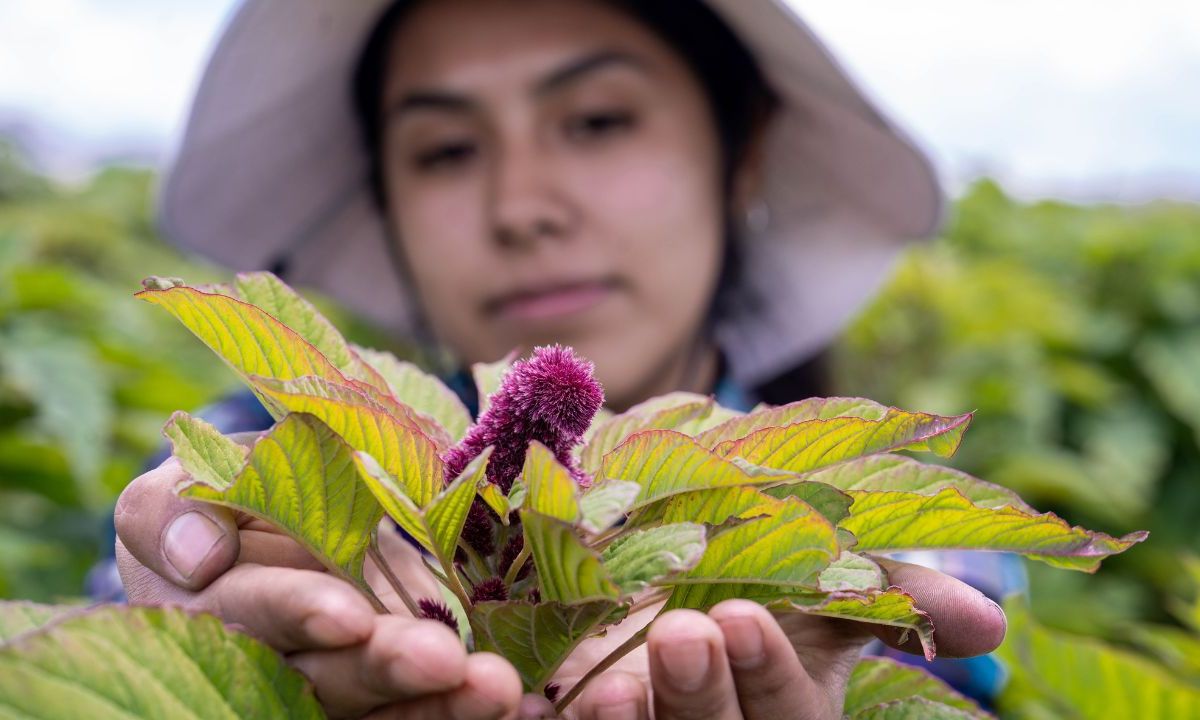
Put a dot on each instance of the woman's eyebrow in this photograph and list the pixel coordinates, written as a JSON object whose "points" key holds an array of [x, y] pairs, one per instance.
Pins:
{"points": [[555, 80], [586, 65]]}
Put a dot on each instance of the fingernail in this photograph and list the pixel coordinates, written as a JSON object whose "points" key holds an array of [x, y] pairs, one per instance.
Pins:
{"points": [[685, 664], [189, 540], [743, 642], [617, 711]]}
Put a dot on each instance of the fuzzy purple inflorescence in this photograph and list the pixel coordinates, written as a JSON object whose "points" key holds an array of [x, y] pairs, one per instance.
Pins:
{"points": [[490, 589], [551, 691], [437, 610], [551, 397]]}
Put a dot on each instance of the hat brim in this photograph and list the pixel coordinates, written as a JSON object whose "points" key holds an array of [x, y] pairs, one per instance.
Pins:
{"points": [[271, 170]]}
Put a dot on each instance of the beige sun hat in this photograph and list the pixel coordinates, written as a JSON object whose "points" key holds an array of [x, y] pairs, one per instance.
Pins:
{"points": [[270, 169]]}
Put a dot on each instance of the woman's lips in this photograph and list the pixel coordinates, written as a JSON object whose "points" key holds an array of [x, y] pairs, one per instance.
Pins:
{"points": [[552, 302]]}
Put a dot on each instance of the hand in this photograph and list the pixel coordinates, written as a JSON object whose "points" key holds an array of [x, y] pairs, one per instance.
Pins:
{"points": [[208, 558], [740, 662]]}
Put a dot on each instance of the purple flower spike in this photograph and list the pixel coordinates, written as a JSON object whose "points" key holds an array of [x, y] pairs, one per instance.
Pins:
{"points": [[436, 610], [490, 589], [552, 397]]}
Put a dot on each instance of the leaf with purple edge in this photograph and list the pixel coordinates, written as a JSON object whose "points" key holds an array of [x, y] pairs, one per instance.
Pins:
{"points": [[790, 414], [892, 607], [887, 522], [568, 571]]}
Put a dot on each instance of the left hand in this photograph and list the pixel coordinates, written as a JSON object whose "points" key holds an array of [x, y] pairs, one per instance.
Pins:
{"points": [[740, 662]]}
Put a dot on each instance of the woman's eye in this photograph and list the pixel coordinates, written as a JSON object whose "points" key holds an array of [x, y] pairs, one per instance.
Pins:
{"points": [[444, 156], [586, 126]]}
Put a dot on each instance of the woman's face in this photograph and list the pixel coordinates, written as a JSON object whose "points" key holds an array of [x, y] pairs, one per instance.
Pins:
{"points": [[553, 175]]}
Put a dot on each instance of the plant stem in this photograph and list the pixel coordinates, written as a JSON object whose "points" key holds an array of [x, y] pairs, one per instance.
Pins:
{"points": [[518, 562], [652, 599], [401, 591], [624, 649]]}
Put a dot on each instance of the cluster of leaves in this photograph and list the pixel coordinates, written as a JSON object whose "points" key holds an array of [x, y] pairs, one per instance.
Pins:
{"points": [[544, 540], [1074, 330]]}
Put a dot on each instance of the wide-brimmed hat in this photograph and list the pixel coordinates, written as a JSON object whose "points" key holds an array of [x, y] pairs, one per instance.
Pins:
{"points": [[271, 170]]}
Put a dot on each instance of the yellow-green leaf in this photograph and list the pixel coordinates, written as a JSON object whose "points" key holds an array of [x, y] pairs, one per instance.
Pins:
{"points": [[816, 444], [549, 488], [894, 521], [420, 391], [645, 556], [207, 455], [119, 662], [903, 474], [447, 513], [790, 414], [786, 548], [269, 293], [300, 477], [915, 708], [19, 617], [892, 607], [536, 639], [825, 499], [665, 412], [879, 680], [404, 452], [712, 507], [250, 340], [568, 571], [667, 463], [395, 500]]}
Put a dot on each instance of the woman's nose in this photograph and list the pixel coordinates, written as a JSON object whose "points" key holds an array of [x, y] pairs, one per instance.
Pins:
{"points": [[528, 205]]}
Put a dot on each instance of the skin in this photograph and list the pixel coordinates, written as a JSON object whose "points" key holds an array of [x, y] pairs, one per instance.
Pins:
{"points": [[501, 173]]}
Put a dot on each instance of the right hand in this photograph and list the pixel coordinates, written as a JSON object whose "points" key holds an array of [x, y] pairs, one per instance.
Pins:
{"points": [[362, 664]]}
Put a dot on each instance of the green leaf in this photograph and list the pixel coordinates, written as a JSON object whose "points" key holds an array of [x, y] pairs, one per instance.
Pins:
{"points": [[815, 444], [269, 293], [549, 488], [401, 448], [568, 571], [300, 477], [665, 463], [496, 500], [825, 499], [602, 505], [892, 607], [18, 617], [646, 556], [790, 414], [892, 521], [117, 663], [876, 681], [786, 549], [536, 639], [902, 474], [208, 456], [438, 526], [915, 708], [1085, 678], [420, 391], [666, 412], [488, 377], [851, 572], [250, 340], [712, 507]]}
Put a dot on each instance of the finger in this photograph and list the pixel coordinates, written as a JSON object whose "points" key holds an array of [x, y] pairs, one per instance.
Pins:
{"points": [[614, 696], [688, 670], [770, 681], [535, 707], [404, 659], [188, 543], [264, 545], [491, 691], [289, 609], [966, 622]]}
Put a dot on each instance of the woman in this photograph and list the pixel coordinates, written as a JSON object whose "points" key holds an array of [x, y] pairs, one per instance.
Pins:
{"points": [[691, 195]]}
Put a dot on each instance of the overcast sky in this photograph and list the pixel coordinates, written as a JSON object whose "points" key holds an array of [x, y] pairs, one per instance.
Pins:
{"points": [[1069, 97]]}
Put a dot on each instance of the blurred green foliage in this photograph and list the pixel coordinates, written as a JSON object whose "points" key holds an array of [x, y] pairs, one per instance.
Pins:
{"points": [[1074, 332]]}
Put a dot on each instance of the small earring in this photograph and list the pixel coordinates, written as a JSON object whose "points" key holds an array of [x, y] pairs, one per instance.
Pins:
{"points": [[758, 217]]}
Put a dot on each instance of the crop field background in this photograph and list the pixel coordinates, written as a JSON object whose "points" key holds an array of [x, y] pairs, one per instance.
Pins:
{"points": [[1072, 331]]}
